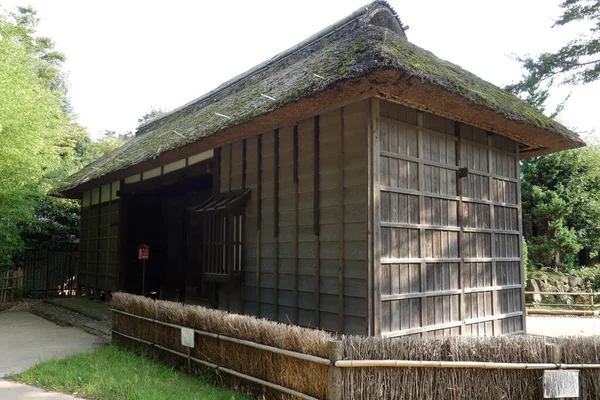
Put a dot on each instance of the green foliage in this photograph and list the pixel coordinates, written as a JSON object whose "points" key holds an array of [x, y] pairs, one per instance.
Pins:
{"points": [[590, 275], [576, 62], [526, 257], [561, 206], [31, 139], [153, 113], [112, 374], [54, 226]]}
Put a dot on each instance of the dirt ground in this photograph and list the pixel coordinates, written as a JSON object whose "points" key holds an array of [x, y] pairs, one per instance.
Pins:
{"points": [[554, 326]]}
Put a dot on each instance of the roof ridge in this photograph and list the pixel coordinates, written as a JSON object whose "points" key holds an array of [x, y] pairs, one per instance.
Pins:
{"points": [[278, 57]]}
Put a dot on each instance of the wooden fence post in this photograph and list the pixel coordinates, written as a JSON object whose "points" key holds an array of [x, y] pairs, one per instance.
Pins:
{"points": [[334, 390], [553, 353]]}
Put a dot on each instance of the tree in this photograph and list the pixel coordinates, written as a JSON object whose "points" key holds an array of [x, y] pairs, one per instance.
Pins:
{"points": [[561, 206], [153, 113], [31, 117], [576, 62]]}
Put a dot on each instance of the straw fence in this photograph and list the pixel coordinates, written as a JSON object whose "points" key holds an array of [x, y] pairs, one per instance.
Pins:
{"points": [[273, 360]]}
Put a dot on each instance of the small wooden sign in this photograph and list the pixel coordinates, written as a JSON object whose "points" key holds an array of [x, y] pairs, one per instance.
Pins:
{"points": [[143, 252], [187, 337]]}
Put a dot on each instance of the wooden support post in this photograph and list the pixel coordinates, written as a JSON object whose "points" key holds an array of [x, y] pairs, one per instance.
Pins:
{"points": [[316, 218], [243, 233], [335, 389], [520, 225], [99, 220], [258, 221], [376, 213], [276, 218], [295, 260], [496, 325], [230, 167], [461, 267], [553, 353], [422, 218], [341, 164]]}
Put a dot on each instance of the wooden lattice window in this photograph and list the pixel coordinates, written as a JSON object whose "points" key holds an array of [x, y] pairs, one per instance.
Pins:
{"points": [[222, 225]]}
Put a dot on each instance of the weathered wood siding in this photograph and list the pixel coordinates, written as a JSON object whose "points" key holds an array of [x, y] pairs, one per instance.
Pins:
{"points": [[450, 247], [306, 239], [99, 238]]}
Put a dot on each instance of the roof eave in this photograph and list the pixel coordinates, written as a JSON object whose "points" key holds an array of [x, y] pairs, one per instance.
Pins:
{"points": [[389, 84], [397, 87]]}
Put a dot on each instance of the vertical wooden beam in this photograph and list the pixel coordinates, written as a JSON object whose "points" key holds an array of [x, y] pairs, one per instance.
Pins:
{"points": [[520, 225], [258, 221], [295, 260], [461, 264], [370, 245], [96, 291], [230, 168], [422, 232], [108, 239], [341, 163], [87, 256], [276, 218], [376, 213], [316, 218], [244, 163], [243, 231], [217, 172], [495, 324]]}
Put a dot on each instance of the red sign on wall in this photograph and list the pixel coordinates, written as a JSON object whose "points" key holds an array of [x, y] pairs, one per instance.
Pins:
{"points": [[143, 252]]}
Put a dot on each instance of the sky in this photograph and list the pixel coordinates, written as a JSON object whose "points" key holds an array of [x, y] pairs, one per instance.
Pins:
{"points": [[126, 57]]}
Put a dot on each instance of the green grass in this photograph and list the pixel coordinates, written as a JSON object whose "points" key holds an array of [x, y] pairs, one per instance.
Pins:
{"points": [[111, 374]]}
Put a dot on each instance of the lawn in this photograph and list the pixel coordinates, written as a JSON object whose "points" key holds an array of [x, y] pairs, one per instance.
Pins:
{"points": [[111, 374]]}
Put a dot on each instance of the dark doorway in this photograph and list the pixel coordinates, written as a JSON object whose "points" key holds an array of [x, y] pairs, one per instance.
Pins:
{"points": [[157, 216]]}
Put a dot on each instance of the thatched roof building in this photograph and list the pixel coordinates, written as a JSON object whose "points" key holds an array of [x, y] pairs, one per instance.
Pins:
{"points": [[355, 183]]}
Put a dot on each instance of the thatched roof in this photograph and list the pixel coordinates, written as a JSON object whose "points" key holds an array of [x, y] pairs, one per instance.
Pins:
{"points": [[368, 50]]}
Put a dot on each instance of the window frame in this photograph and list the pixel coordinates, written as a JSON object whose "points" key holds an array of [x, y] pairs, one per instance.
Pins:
{"points": [[222, 223]]}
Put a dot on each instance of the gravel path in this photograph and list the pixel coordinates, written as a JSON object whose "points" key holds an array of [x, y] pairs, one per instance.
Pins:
{"points": [[62, 316]]}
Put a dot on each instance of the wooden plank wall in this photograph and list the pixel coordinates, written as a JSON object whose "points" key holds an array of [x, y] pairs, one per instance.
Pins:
{"points": [[99, 239], [306, 240], [450, 246]]}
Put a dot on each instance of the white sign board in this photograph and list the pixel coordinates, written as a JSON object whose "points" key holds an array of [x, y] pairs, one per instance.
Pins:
{"points": [[187, 337], [561, 383]]}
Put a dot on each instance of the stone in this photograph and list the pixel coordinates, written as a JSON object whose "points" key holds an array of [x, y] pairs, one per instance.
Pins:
{"points": [[533, 286], [576, 282]]}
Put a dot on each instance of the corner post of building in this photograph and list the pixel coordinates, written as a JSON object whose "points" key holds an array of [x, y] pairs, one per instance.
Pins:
{"points": [[520, 225], [375, 216]]}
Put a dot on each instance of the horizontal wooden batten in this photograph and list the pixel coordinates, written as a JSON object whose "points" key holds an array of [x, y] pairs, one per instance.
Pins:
{"points": [[417, 226], [449, 292], [446, 197], [446, 228], [490, 259], [429, 328], [424, 130], [418, 295], [418, 160], [496, 317], [491, 288], [419, 260], [498, 177]]}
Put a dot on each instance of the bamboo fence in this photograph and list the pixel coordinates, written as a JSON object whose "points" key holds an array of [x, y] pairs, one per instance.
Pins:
{"points": [[274, 360]]}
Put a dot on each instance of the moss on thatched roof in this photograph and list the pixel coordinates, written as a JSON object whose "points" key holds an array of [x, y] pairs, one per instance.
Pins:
{"points": [[370, 39]]}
